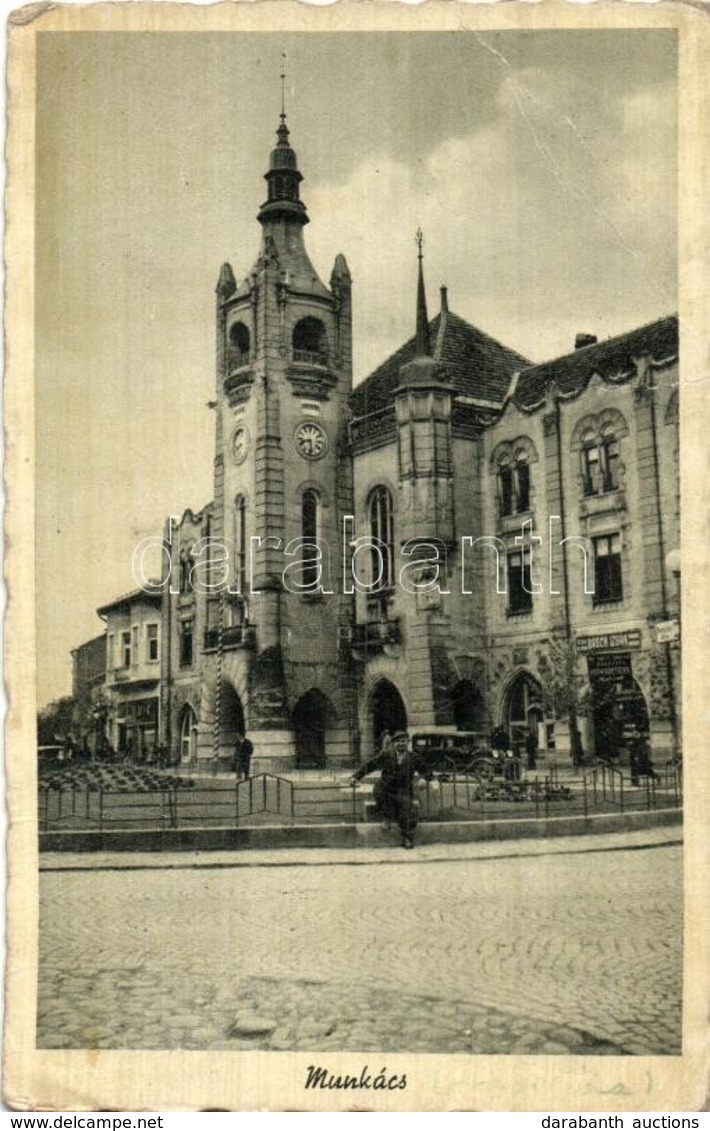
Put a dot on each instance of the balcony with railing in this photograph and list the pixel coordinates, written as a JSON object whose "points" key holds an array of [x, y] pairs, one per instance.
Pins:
{"points": [[236, 360], [234, 636], [375, 635], [311, 357]]}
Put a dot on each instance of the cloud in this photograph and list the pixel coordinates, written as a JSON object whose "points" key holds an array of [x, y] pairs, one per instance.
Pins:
{"points": [[548, 217]]}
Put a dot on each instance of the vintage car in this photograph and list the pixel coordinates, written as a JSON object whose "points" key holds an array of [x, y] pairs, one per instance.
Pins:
{"points": [[445, 751]]}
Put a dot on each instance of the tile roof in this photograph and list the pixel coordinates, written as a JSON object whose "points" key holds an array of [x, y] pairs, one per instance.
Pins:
{"points": [[475, 364], [611, 359], [151, 595]]}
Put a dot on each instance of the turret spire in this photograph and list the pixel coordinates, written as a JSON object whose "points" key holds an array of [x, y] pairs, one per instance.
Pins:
{"points": [[283, 87], [423, 347], [283, 177]]}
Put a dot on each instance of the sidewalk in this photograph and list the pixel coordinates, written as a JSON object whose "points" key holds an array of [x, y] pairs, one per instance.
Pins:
{"points": [[374, 854]]}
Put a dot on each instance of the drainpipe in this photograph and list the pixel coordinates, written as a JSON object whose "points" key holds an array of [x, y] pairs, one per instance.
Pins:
{"points": [[572, 706], [167, 646], [662, 555]]}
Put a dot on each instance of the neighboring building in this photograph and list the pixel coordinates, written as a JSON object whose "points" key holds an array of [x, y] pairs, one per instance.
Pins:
{"points": [[132, 688], [88, 684], [413, 551], [88, 667]]}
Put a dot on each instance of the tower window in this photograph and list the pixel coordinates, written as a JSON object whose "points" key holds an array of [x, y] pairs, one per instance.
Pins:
{"points": [[310, 342], [239, 345], [310, 523], [382, 533], [240, 542]]}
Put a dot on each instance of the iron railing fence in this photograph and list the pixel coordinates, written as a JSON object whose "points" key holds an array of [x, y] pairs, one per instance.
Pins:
{"points": [[213, 802]]}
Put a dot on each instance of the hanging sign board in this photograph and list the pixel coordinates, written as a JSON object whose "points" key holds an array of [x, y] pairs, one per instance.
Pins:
{"points": [[609, 666], [667, 631], [609, 642]]}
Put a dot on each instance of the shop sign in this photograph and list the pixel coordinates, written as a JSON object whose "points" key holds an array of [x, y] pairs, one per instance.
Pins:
{"points": [[667, 631], [609, 642], [609, 666]]}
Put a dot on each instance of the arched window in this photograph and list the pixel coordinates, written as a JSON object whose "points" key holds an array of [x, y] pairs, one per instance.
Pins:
{"points": [[240, 544], [382, 535], [506, 494], [310, 528], [310, 342], [600, 461], [239, 345], [188, 735], [598, 440], [514, 485], [522, 482], [185, 571]]}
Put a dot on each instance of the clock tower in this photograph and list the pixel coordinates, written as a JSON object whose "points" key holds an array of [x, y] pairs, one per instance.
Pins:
{"points": [[283, 484]]}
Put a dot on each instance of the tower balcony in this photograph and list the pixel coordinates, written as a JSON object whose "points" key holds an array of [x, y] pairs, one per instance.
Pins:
{"points": [[236, 360], [238, 381], [311, 357], [374, 636]]}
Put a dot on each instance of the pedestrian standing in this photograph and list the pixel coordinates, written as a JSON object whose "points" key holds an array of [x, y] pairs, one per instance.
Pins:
{"points": [[243, 750], [394, 793], [531, 749]]}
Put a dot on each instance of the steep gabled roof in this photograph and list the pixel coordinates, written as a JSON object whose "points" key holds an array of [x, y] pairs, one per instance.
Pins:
{"points": [[475, 364], [611, 359]]}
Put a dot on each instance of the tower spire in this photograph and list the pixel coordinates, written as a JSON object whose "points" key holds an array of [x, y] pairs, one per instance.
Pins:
{"points": [[283, 87], [423, 346], [283, 176]]}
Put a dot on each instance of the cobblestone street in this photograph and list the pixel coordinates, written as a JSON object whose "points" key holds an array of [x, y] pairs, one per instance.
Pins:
{"points": [[553, 953]]}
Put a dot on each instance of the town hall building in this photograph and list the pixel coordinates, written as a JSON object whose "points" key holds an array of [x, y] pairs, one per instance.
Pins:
{"points": [[464, 538]]}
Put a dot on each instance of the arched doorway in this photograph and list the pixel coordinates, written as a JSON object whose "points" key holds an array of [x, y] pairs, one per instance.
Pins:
{"points": [[231, 718], [387, 711], [467, 704], [618, 707], [188, 735], [523, 710], [312, 717]]}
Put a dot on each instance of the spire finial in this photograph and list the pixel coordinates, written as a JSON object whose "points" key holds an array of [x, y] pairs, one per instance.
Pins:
{"points": [[283, 86], [423, 348]]}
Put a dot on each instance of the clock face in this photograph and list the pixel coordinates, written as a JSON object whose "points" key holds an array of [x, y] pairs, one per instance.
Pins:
{"points": [[240, 444], [311, 440]]}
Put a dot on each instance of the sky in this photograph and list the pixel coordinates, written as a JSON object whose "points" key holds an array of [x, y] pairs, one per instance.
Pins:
{"points": [[541, 167]]}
